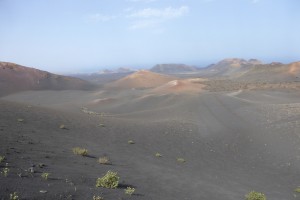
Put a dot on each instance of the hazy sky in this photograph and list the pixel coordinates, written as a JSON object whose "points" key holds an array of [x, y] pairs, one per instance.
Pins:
{"points": [[78, 35]]}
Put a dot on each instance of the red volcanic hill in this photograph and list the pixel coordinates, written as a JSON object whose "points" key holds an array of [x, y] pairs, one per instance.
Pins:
{"points": [[141, 79], [294, 68], [15, 78], [191, 86]]}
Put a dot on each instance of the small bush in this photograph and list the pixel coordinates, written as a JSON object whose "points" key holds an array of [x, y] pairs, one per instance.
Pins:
{"points": [[2, 158], [97, 198], [158, 155], [80, 151], [181, 160], [129, 191], [130, 142], [41, 165], [5, 171], [255, 196], [14, 196], [104, 160], [20, 120], [109, 180], [45, 175], [297, 190], [62, 126], [101, 125]]}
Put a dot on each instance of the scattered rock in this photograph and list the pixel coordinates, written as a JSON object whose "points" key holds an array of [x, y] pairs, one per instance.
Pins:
{"points": [[31, 170], [41, 165]]}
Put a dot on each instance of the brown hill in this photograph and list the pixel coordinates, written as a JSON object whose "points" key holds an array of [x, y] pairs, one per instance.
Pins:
{"points": [[15, 78], [191, 86], [294, 68], [141, 79]]}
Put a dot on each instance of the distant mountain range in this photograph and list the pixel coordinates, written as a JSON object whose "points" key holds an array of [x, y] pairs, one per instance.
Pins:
{"points": [[114, 71], [15, 78], [173, 68]]}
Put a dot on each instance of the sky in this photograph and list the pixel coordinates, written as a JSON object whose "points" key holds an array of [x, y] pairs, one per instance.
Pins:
{"points": [[70, 36]]}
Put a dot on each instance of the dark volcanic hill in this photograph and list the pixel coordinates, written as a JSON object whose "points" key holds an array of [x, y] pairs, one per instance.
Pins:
{"points": [[15, 78], [173, 68]]}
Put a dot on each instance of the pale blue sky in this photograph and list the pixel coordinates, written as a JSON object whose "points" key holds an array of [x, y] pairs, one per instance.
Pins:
{"points": [[88, 35]]}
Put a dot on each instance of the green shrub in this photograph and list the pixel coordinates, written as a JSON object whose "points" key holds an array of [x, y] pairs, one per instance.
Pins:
{"points": [[109, 180], [62, 126], [5, 171], [297, 190], [45, 175], [104, 160], [97, 198], [130, 142], [158, 155], [129, 191], [255, 196], [101, 125], [80, 151], [181, 160], [14, 196], [2, 158]]}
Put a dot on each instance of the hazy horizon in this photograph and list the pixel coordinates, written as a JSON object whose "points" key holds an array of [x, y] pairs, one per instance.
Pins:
{"points": [[75, 36]]}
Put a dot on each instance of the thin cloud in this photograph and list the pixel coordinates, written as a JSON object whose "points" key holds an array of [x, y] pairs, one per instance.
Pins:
{"points": [[167, 13], [152, 18]]}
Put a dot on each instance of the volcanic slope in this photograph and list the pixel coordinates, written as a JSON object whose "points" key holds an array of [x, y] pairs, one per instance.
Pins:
{"points": [[140, 80], [16, 78]]}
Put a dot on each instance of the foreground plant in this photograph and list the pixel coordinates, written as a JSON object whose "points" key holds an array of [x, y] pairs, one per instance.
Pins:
{"points": [[62, 126], [104, 160], [255, 196], [130, 142], [181, 160], [158, 155], [5, 171], [97, 198], [297, 190], [101, 125], [2, 158], [45, 175], [80, 151], [14, 196], [129, 191], [109, 180]]}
